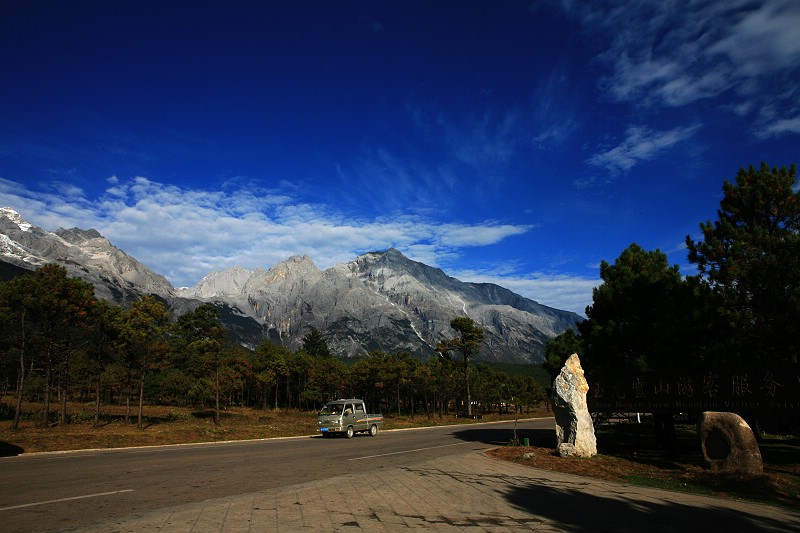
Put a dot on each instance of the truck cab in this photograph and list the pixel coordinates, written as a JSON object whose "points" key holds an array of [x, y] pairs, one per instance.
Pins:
{"points": [[347, 417]]}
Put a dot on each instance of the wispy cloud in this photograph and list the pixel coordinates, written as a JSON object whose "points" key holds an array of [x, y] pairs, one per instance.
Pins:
{"points": [[480, 136], [553, 113], [185, 233], [780, 126], [678, 53], [640, 144], [457, 156]]}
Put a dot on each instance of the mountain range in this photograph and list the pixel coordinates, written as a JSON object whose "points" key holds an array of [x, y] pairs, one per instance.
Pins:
{"points": [[378, 301]]}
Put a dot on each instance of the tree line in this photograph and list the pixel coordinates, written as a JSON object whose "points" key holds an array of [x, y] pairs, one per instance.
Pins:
{"points": [[59, 343]]}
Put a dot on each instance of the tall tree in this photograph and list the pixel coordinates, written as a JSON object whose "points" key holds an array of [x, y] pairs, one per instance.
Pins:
{"points": [[750, 256], [105, 324], [16, 313], [640, 317], [314, 344], [467, 343], [200, 337], [443, 385], [272, 367], [144, 330]]}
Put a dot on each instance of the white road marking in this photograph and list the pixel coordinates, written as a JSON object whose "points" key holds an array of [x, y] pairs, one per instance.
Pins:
{"points": [[64, 499], [406, 451]]}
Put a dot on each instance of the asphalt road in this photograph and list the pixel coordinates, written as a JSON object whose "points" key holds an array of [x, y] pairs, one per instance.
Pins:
{"points": [[43, 492]]}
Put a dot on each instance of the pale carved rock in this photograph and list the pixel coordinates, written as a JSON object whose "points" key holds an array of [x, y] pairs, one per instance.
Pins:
{"points": [[574, 429], [729, 444]]}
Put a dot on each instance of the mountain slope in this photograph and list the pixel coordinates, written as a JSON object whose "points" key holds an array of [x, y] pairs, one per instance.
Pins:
{"points": [[384, 301], [379, 301], [84, 253]]}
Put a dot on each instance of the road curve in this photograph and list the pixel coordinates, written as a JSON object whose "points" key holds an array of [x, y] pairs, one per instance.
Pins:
{"points": [[45, 492]]}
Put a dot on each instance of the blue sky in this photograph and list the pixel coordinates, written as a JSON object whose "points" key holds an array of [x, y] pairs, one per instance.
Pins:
{"points": [[513, 142]]}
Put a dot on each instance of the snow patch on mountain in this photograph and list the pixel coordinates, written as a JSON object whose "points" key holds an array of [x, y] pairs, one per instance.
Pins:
{"points": [[15, 217]]}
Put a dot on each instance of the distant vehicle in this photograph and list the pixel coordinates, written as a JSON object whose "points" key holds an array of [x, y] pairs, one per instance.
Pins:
{"points": [[347, 417]]}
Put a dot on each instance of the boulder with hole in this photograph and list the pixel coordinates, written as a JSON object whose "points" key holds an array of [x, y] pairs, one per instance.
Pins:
{"points": [[729, 444]]}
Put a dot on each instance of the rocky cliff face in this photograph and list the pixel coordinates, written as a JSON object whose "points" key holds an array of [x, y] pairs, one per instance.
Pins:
{"points": [[379, 301], [84, 253], [383, 301]]}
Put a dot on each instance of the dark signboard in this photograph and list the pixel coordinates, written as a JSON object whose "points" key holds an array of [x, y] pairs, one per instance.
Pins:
{"points": [[774, 389]]}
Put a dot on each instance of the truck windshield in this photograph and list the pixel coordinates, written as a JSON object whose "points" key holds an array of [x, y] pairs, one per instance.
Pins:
{"points": [[331, 409]]}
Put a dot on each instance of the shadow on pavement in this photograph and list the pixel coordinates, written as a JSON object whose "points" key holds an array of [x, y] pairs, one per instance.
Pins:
{"points": [[502, 437], [9, 450], [576, 511]]}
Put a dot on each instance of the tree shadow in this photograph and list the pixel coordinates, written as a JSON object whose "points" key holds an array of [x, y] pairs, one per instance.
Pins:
{"points": [[10, 450], [503, 437], [574, 510], [780, 451]]}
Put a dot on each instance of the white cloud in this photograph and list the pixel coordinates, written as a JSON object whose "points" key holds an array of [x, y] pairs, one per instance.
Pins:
{"points": [[185, 233], [640, 144], [763, 40], [458, 235], [678, 53], [780, 126]]}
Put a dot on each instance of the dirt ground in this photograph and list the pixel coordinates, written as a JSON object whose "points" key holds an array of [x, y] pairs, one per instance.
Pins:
{"points": [[779, 485]]}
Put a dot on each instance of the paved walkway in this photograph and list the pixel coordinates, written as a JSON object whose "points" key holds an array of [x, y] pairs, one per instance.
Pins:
{"points": [[469, 492]]}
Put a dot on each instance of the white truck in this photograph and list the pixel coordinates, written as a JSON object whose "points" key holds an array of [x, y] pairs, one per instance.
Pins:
{"points": [[347, 417]]}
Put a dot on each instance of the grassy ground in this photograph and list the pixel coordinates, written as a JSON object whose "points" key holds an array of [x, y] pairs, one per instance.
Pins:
{"points": [[627, 452]]}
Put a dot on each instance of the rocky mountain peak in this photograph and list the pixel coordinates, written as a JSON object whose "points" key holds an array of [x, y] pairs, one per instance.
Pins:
{"points": [[84, 253], [15, 218], [219, 283], [297, 263], [77, 235], [373, 267]]}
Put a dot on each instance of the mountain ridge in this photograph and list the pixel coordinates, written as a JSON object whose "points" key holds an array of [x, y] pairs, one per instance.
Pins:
{"points": [[381, 300]]}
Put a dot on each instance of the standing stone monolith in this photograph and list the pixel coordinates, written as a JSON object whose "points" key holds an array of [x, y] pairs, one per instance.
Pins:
{"points": [[729, 444], [574, 428]]}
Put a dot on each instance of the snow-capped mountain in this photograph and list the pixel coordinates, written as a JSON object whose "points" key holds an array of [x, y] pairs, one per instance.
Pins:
{"points": [[379, 301]]}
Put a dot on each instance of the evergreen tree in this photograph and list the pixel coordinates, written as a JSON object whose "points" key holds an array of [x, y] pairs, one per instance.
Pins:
{"points": [[642, 317], [314, 344], [467, 344], [558, 349], [199, 339], [144, 331], [750, 257]]}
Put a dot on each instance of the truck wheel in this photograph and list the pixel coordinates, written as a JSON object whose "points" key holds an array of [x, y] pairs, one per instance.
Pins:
{"points": [[373, 430], [350, 432]]}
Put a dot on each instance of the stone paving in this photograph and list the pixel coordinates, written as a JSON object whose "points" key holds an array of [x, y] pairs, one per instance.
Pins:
{"points": [[468, 492]]}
